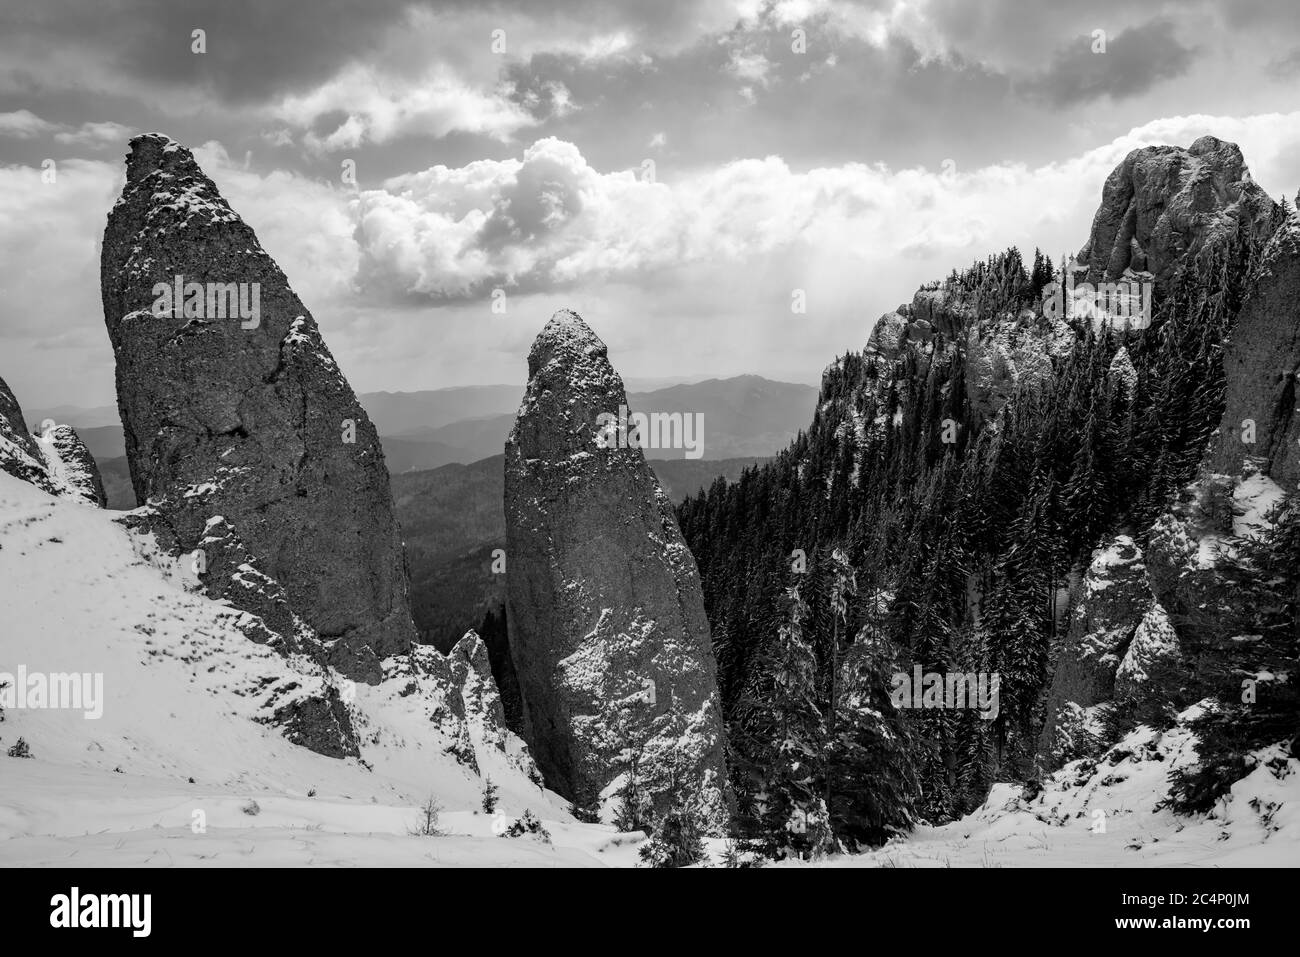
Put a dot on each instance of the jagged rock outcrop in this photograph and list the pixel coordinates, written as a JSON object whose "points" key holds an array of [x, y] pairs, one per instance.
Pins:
{"points": [[221, 566], [71, 466], [1153, 657], [1163, 204], [234, 409], [1261, 418], [455, 694], [55, 460], [20, 456], [317, 721], [939, 326], [1190, 617], [1159, 207], [606, 613], [1195, 566], [1113, 598]]}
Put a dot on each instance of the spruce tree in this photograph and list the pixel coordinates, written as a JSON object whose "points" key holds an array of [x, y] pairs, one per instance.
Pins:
{"points": [[783, 734]]}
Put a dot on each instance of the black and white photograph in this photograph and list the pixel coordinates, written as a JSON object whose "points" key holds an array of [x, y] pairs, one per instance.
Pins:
{"points": [[782, 435]]}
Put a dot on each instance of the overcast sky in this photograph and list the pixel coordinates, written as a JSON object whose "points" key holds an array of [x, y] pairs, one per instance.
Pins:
{"points": [[674, 171]]}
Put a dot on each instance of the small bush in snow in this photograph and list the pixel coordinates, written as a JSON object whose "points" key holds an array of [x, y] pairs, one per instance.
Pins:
{"points": [[21, 750], [736, 855], [678, 840], [528, 824], [252, 809], [633, 810], [427, 825], [489, 797]]}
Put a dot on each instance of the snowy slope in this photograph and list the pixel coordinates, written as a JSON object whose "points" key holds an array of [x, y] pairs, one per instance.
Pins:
{"points": [[1106, 814], [186, 735]]}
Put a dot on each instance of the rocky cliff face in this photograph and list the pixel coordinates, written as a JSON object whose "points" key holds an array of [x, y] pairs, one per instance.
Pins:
{"points": [[20, 456], [1160, 206], [1164, 203], [1261, 421], [455, 695], [236, 413], [1180, 607], [1112, 599], [1149, 620], [1197, 567], [939, 327], [606, 614]]}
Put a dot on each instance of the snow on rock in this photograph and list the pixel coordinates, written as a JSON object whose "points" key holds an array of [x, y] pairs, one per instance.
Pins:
{"points": [[1113, 596], [20, 456], [1254, 500], [1122, 374], [607, 626], [1163, 204], [1154, 646], [70, 465], [248, 417]]}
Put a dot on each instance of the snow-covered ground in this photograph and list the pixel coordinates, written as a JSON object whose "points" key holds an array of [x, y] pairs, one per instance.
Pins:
{"points": [[1104, 814], [181, 748], [170, 773]]}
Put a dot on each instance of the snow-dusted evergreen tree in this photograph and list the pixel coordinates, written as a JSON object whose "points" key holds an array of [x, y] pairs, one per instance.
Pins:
{"points": [[678, 839], [489, 796], [632, 804], [843, 587], [785, 741], [874, 782]]}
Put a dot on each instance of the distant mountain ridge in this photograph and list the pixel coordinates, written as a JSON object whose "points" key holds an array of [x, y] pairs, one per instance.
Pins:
{"points": [[452, 519], [745, 417]]}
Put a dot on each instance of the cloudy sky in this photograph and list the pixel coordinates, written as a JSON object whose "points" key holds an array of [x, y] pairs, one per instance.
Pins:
{"points": [[674, 171]]}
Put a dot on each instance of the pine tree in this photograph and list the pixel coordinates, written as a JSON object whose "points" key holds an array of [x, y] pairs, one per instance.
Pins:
{"points": [[875, 782], [678, 839], [844, 585], [489, 796], [783, 735], [632, 810]]}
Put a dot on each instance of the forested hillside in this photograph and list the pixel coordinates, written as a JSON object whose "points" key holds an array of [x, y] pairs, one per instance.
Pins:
{"points": [[940, 512]]}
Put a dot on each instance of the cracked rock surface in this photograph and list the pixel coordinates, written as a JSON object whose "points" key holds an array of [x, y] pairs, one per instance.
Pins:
{"points": [[604, 596], [247, 420]]}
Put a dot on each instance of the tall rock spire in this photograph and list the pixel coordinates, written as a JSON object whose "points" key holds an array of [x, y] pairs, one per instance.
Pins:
{"points": [[606, 612], [234, 410]]}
